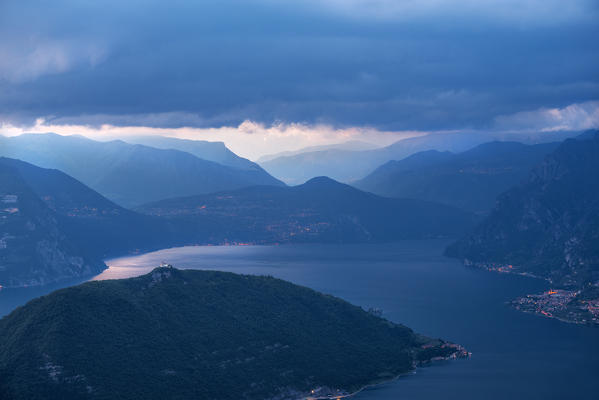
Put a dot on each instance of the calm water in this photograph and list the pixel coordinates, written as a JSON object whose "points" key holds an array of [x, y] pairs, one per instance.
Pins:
{"points": [[515, 355]]}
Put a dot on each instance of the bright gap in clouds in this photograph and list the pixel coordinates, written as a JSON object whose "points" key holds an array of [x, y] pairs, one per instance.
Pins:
{"points": [[253, 140], [250, 139]]}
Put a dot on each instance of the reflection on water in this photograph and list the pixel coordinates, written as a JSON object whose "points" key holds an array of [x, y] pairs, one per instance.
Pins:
{"points": [[515, 355]]}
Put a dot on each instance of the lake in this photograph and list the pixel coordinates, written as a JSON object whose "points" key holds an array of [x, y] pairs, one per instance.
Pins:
{"points": [[515, 355]]}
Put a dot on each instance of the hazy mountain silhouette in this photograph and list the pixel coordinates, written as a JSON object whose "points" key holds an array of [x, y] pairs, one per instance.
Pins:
{"points": [[548, 225], [471, 180], [349, 166], [350, 145], [130, 174], [211, 151]]}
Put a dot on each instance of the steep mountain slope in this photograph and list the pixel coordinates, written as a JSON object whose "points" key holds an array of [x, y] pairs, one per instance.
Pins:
{"points": [[199, 335], [548, 225], [211, 151], [348, 166], [320, 210], [471, 180], [34, 248], [129, 174], [95, 224]]}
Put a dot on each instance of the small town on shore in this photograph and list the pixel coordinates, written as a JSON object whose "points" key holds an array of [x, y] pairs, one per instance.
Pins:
{"points": [[566, 305], [572, 305]]}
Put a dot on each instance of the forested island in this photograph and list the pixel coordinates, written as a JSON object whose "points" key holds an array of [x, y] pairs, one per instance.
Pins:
{"points": [[183, 334]]}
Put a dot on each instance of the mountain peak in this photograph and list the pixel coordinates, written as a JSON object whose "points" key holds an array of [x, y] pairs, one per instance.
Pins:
{"points": [[162, 273], [322, 180]]}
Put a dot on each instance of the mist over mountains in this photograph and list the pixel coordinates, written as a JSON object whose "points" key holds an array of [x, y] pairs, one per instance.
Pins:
{"points": [[470, 180], [350, 145], [348, 166], [130, 174], [84, 226], [541, 199], [210, 151], [165, 164], [246, 329]]}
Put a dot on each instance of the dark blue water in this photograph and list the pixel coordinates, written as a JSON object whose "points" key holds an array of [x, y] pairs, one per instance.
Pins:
{"points": [[515, 355]]}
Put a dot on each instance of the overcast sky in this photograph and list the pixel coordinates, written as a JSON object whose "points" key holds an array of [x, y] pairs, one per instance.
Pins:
{"points": [[311, 71]]}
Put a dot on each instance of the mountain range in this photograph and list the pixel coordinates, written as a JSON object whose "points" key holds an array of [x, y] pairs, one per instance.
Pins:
{"points": [[321, 210], [130, 174], [184, 334], [95, 224], [348, 166], [470, 180], [350, 145], [548, 225], [85, 227], [210, 151]]}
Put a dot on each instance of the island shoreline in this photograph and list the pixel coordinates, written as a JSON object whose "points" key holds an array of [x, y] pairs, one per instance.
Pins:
{"points": [[460, 354]]}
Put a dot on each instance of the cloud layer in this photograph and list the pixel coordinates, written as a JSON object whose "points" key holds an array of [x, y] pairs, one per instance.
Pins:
{"points": [[249, 139], [254, 139], [574, 117], [387, 65]]}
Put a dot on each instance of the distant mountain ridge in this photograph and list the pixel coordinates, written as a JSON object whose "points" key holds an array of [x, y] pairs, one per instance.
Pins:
{"points": [[210, 151], [82, 223], [130, 174], [549, 224], [349, 166], [321, 210], [351, 145], [470, 180]]}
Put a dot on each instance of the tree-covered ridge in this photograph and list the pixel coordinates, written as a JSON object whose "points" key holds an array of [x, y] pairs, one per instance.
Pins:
{"points": [[182, 334], [320, 210]]}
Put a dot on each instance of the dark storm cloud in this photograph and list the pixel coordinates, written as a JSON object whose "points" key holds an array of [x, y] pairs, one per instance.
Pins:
{"points": [[390, 64]]}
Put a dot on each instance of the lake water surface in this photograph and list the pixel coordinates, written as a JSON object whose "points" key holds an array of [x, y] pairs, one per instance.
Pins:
{"points": [[515, 355]]}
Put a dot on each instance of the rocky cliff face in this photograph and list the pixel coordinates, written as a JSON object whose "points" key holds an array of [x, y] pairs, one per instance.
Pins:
{"points": [[549, 225], [33, 248]]}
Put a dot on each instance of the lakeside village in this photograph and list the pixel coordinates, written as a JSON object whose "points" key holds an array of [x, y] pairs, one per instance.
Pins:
{"points": [[578, 306], [565, 305]]}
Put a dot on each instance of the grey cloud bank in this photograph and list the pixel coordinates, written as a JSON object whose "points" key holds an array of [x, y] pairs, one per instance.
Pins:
{"points": [[390, 65]]}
